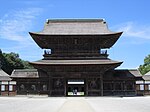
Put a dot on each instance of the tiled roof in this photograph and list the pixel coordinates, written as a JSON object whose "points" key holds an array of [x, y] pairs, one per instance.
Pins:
{"points": [[75, 62], [4, 76], [25, 73], [129, 72], [75, 27], [148, 73], [146, 76], [55, 30]]}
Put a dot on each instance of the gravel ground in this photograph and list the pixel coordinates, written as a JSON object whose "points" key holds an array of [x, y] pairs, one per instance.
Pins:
{"points": [[74, 104]]}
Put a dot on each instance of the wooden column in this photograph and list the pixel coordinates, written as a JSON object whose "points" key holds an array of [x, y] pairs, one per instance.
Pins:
{"points": [[113, 87], [39, 89], [86, 86], [144, 88], [101, 84], [134, 86], [50, 84], [124, 87], [8, 88], [27, 90], [65, 86]]}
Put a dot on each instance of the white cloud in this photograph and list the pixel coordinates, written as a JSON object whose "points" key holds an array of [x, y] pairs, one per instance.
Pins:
{"points": [[15, 25], [131, 29]]}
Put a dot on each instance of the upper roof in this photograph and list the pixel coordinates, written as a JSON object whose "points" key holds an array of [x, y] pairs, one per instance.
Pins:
{"points": [[25, 73], [75, 27], [4, 76]]}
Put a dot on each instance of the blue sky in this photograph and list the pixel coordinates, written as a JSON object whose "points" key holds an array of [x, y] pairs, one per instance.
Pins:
{"points": [[18, 17]]}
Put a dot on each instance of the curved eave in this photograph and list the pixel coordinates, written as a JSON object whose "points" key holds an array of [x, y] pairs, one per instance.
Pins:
{"points": [[101, 34], [4, 78], [75, 62], [42, 39]]}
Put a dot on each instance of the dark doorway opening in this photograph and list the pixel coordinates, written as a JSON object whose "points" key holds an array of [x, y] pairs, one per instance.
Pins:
{"points": [[75, 87]]}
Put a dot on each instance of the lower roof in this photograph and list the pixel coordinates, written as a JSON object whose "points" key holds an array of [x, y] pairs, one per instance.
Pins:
{"points": [[25, 73], [4, 76], [134, 72], [146, 77], [75, 62], [33, 73]]}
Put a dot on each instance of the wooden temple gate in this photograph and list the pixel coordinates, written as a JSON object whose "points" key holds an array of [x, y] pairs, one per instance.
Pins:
{"points": [[76, 60]]}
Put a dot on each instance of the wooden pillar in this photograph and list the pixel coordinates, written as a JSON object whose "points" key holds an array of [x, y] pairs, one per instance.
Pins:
{"points": [[144, 88], [113, 87], [101, 84], [8, 87], [27, 90], [124, 87], [86, 86], [0, 86], [39, 89], [65, 86], [134, 87], [49, 85]]}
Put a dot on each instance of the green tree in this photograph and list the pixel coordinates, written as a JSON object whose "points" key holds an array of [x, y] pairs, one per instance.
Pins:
{"points": [[146, 66], [11, 61], [1, 55], [27, 65]]}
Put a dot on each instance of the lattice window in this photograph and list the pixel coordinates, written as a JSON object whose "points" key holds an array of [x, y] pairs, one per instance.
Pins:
{"points": [[22, 87], [58, 84], [129, 86], [108, 86], [118, 86], [94, 83]]}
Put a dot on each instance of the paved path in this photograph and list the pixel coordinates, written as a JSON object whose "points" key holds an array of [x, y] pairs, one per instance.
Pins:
{"points": [[78, 105], [75, 104]]}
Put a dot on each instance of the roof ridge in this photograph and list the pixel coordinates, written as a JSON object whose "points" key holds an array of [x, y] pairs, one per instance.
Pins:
{"points": [[25, 69], [3, 73], [148, 73], [75, 20]]}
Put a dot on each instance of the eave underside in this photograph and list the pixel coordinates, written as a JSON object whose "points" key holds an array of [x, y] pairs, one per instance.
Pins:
{"points": [[57, 41], [75, 62], [76, 65]]}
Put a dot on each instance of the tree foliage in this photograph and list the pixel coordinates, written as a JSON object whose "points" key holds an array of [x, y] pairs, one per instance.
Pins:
{"points": [[11, 61], [146, 66]]}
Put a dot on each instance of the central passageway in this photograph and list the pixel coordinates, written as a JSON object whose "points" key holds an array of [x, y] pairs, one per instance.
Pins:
{"points": [[76, 105]]}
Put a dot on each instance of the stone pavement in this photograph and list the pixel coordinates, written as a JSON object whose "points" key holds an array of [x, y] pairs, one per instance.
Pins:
{"points": [[76, 105]]}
